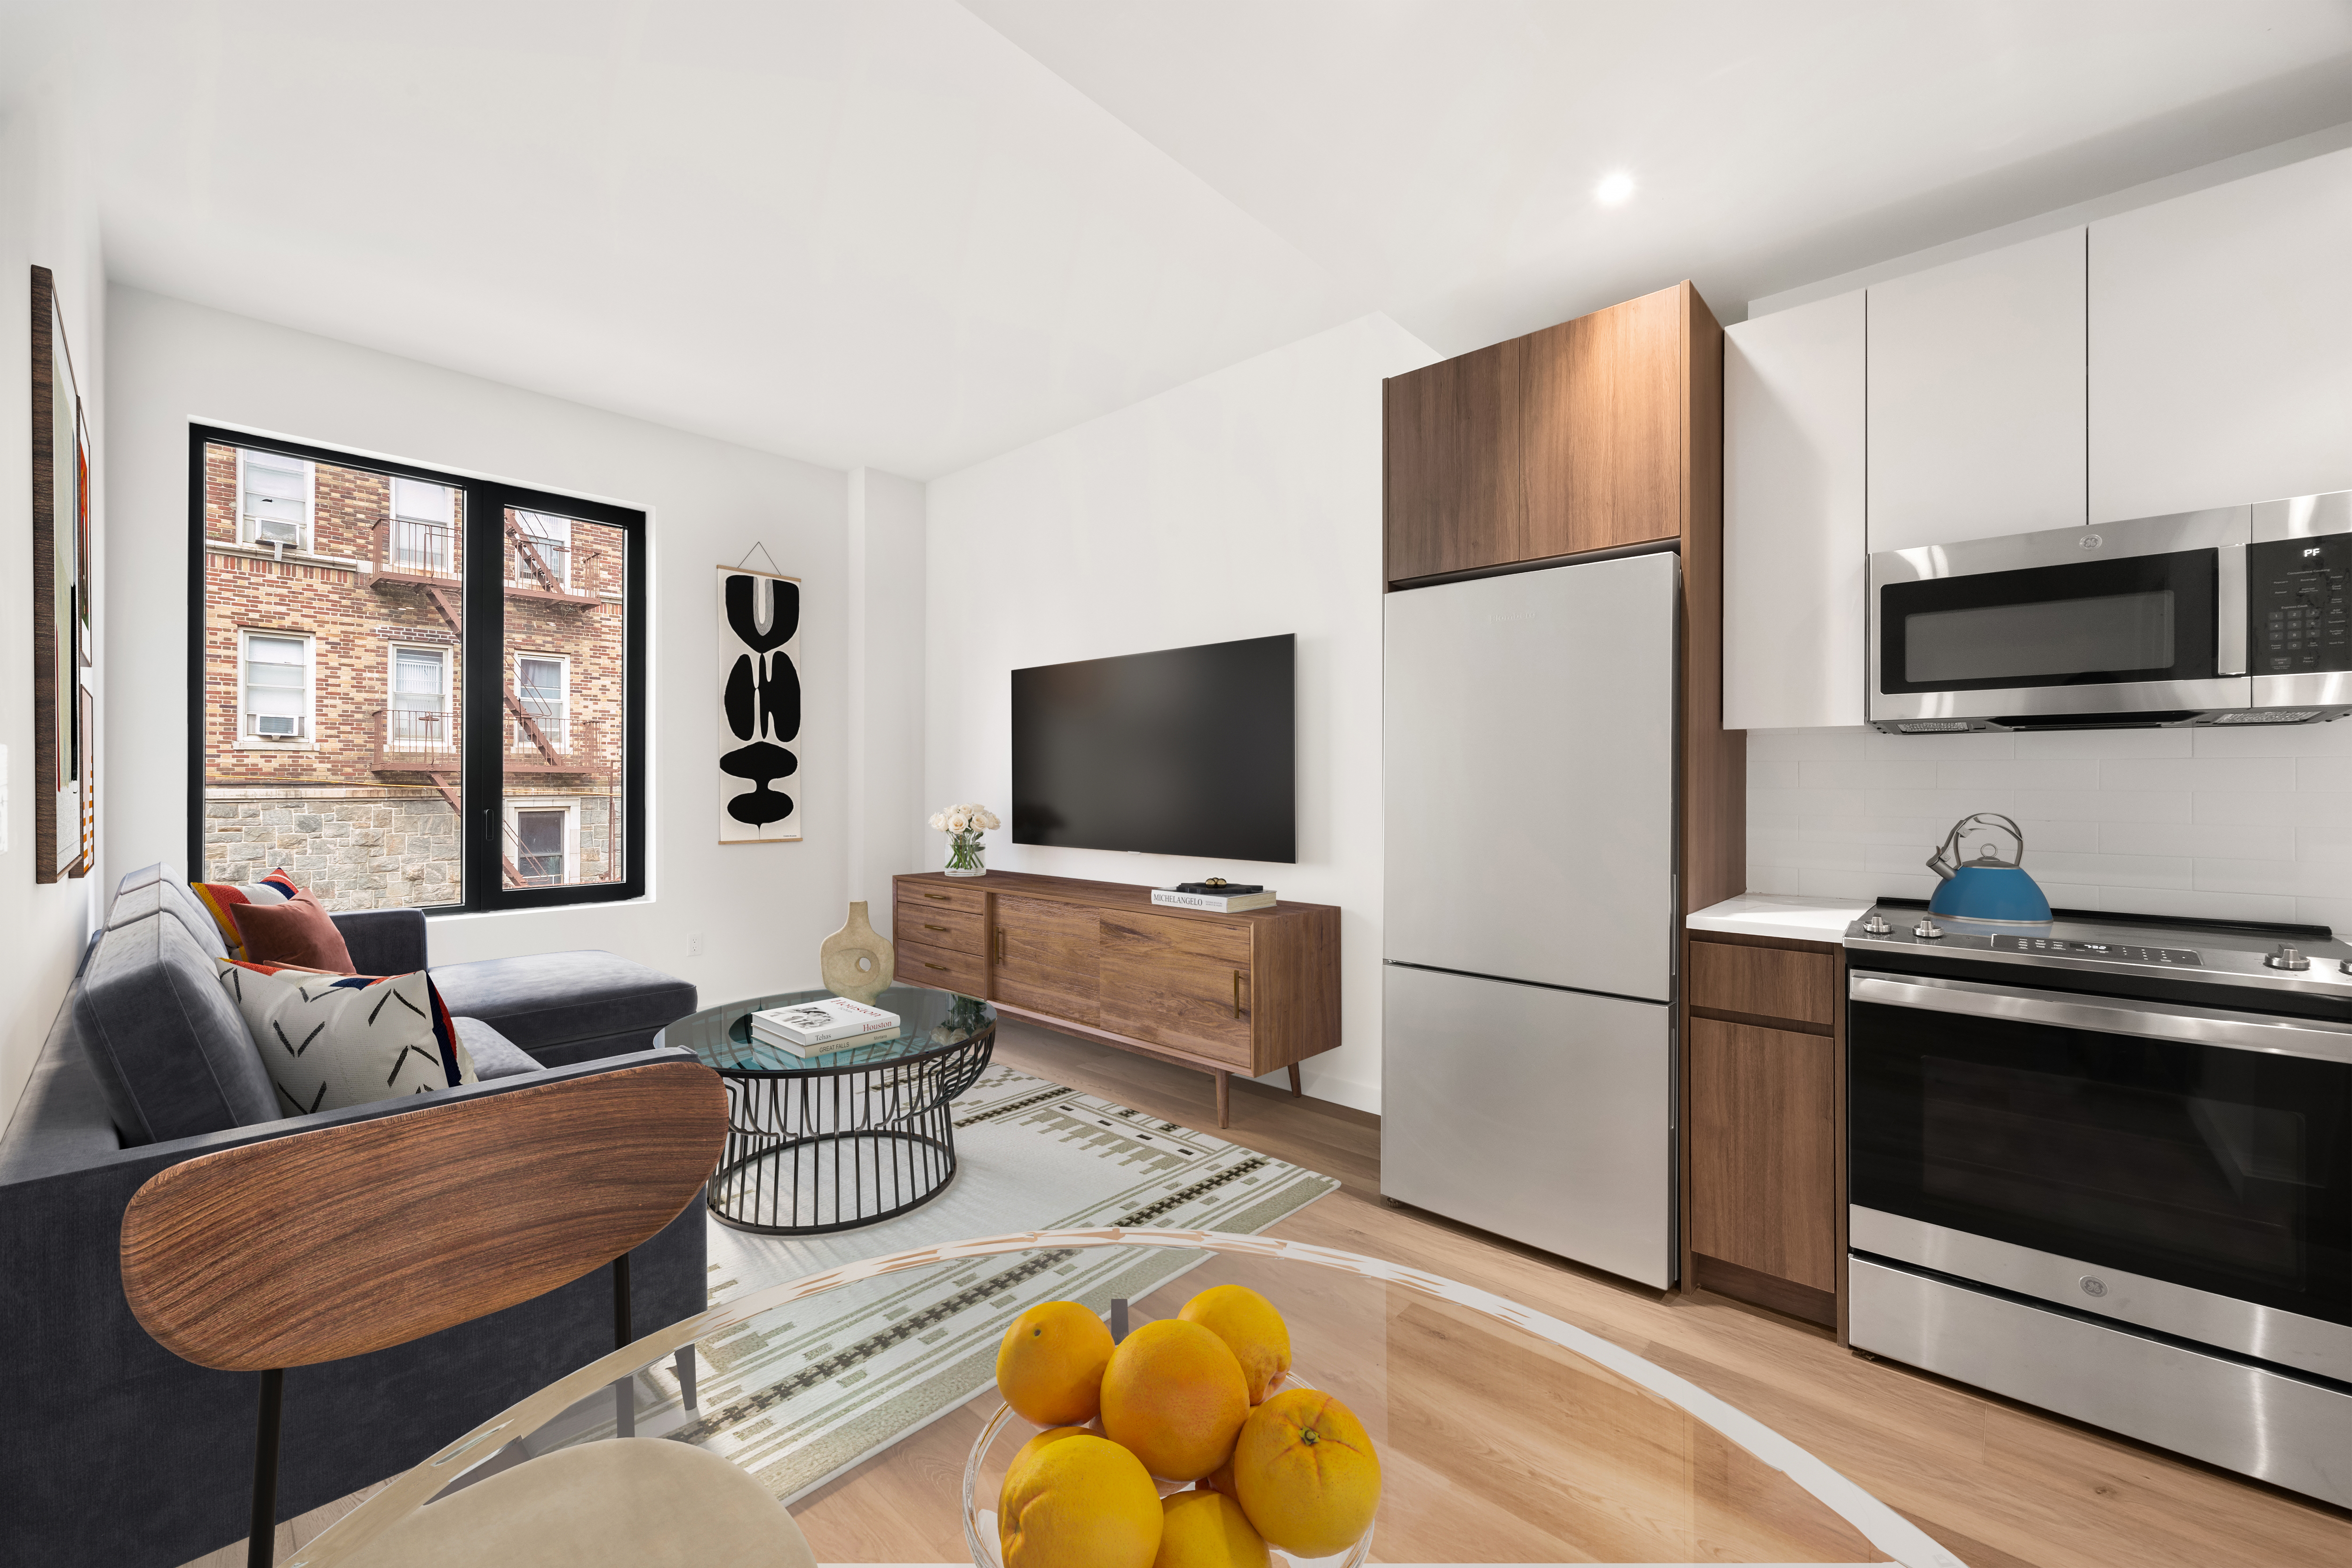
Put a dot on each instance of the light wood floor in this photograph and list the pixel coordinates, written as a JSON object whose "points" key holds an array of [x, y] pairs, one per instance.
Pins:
{"points": [[2000, 1485]]}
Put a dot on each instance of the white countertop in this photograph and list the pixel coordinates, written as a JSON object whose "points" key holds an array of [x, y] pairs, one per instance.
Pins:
{"points": [[1793, 916]]}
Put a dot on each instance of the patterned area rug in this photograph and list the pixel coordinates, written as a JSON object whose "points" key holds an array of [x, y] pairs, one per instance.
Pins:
{"points": [[799, 1395]]}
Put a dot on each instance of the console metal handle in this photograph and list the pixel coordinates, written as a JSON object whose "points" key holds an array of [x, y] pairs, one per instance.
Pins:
{"points": [[940, 967], [927, 926], [942, 896], [2108, 1015], [1000, 944], [1237, 993]]}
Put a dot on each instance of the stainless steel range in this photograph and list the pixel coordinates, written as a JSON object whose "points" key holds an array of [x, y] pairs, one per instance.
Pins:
{"points": [[2104, 1166]]}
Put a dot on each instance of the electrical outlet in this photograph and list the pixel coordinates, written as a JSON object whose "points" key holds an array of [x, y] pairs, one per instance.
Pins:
{"points": [[694, 945]]}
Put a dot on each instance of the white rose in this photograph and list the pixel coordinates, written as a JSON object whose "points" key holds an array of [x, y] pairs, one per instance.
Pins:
{"points": [[957, 823], [988, 820], [939, 821]]}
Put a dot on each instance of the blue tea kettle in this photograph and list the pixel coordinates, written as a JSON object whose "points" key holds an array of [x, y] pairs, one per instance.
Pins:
{"points": [[1986, 888]]}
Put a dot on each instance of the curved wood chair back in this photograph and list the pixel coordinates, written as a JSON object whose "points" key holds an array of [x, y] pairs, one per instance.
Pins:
{"points": [[350, 1239]]}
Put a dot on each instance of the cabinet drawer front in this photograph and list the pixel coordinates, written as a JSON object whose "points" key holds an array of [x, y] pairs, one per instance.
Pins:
{"points": [[1764, 981], [944, 896], [941, 969], [936, 925], [1180, 984]]}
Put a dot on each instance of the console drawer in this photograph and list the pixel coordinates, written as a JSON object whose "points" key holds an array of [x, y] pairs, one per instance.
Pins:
{"points": [[937, 925], [942, 895], [942, 969]]}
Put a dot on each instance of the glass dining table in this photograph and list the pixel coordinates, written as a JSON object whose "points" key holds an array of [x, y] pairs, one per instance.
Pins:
{"points": [[1505, 1435]]}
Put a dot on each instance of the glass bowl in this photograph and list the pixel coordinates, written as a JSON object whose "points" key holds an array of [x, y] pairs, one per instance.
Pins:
{"points": [[1002, 1438]]}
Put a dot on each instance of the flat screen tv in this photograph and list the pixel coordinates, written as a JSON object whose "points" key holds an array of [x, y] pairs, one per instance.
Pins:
{"points": [[1188, 750]]}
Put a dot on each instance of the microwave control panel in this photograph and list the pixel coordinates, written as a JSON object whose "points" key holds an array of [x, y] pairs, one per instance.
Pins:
{"points": [[2299, 605]]}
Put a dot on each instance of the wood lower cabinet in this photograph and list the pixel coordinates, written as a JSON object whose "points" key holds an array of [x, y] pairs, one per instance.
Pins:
{"points": [[1765, 1131], [1225, 993]]}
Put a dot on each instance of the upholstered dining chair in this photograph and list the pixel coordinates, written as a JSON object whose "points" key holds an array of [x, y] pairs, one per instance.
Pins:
{"points": [[356, 1238]]}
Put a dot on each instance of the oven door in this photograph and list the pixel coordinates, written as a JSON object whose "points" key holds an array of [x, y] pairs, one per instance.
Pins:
{"points": [[2146, 617], [2181, 1168]]}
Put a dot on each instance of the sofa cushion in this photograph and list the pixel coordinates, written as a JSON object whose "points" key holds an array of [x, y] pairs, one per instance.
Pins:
{"points": [[330, 1042], [172, 1056], [546, 1001], [169, 896], [493, 1054]]}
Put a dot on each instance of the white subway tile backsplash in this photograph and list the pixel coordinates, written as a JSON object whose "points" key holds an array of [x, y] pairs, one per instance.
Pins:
{"points": [[2196, 772], [2244, 825]]}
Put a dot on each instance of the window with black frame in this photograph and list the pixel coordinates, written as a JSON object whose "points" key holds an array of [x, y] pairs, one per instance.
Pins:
{"points": [[411, 688]]}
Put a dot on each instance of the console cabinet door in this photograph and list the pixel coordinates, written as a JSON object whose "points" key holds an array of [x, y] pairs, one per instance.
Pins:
{"points": [[1763, 1131], [1047, 959], [1976, 396], [1180, 983], [1794, 548], [2222, 345]]}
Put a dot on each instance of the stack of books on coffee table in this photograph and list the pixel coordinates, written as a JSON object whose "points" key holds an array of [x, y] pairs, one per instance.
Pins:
{"points": [[818, 1028]]}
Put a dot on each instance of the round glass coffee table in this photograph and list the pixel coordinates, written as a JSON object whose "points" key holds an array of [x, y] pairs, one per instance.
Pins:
{"points": [[843, 1138], [863, 1398]]}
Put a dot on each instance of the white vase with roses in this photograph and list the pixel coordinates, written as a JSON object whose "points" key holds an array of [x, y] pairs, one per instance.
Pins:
{"points": [[963, 825]]}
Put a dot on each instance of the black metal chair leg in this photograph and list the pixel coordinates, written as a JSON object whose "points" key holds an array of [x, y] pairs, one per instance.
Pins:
{"points": [[625, 1392], [261, 1542]]}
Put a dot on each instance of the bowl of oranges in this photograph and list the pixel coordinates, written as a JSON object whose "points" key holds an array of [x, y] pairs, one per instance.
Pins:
{"points": [[1190, 1443]]}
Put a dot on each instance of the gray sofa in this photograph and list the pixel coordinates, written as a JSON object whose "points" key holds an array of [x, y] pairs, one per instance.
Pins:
{"points": [[121, 1452]]}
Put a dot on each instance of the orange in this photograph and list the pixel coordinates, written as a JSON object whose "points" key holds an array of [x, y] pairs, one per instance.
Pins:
{"points": [[1307, 1473], [1207, 1530], [1050, 1365], [1028, 1451], [1175, 1396], [1251, 1328], [1081, 1502], [1220, 1480]]}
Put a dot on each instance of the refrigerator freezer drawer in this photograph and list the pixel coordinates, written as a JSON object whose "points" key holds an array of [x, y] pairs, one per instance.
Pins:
{"points": [[1545, 1116]]}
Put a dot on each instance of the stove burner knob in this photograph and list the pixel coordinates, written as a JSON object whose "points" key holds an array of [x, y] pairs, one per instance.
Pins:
{"points": [[1927, 930], [2287, 957], [1876, 926]]}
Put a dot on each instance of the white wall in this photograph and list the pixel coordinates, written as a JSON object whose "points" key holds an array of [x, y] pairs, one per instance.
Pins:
{"points": [[886, 684], [2242, 823], [1244, 504], [760, 908], [46, 219]]}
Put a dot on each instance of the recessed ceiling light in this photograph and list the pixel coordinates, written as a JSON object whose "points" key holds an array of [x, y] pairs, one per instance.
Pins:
{"points": [[1614, 190]]}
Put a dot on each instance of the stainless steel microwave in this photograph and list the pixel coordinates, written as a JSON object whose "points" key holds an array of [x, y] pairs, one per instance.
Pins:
{"points": [[2235, 616]]}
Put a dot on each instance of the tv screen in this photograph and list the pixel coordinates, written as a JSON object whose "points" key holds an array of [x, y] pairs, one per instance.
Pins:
{"points": [[1183, 751]]}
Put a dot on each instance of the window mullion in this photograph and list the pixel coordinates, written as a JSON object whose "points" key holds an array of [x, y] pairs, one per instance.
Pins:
{"points": [[486, 723]]}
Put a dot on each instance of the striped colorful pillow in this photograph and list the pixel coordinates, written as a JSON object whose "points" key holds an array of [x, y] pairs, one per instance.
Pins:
{"points": [[220, 898]]}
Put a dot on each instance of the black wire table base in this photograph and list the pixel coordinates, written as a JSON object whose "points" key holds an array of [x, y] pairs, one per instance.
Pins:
{"points": [[832, 1149]]}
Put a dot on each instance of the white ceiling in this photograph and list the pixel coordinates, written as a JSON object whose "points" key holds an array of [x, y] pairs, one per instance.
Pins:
{"points": [[914, 233]]}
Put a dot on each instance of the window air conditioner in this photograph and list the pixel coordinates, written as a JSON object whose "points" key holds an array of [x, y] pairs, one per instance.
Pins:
{"points": [[276, 726]]}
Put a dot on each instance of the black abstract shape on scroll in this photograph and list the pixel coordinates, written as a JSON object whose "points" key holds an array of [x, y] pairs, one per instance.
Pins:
{"points": [[761, 699]]}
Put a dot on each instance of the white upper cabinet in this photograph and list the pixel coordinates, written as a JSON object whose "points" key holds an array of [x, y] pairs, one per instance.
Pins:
{"points": [[2222, 345], [1975, 393], [1793, 544]]}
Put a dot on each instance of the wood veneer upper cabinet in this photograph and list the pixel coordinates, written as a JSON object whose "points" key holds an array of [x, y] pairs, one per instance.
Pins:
{"points": [[1571, 440], [1048, 958], [2222, 345]]}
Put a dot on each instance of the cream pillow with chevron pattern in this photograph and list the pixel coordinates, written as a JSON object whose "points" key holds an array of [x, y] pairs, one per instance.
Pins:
{"points": [[329, 1041]]}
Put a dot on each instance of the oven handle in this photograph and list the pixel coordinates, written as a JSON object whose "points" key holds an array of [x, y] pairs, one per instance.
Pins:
{"points": [[2108, 1015]]}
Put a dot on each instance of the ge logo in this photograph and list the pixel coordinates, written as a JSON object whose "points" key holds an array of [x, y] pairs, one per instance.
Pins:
{"points": [[2093, 1286], [2090, 541]]}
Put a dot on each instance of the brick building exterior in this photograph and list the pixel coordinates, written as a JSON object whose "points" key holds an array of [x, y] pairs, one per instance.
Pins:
{"points": [[333, 684]]}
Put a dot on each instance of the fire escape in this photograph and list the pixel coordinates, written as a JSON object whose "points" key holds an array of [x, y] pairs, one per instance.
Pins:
{"points": [[422, 557]]}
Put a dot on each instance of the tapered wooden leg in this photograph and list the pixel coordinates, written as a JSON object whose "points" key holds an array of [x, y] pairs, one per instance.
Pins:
{"points": [[1225, 1099], [1296, 1092]]}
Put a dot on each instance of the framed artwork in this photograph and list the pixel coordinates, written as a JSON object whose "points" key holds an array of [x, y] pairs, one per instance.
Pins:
{"points": [[759, 695], [64, 814]]}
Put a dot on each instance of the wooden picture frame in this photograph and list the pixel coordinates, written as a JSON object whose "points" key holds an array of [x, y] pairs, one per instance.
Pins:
{"points": [[63, 823]]}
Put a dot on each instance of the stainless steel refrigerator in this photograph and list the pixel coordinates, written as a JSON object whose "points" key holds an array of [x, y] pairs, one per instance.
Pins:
{"points": [[1527, 1041]]}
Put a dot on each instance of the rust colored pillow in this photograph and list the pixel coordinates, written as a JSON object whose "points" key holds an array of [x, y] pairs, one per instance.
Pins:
{"points": [[297, 931]]}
